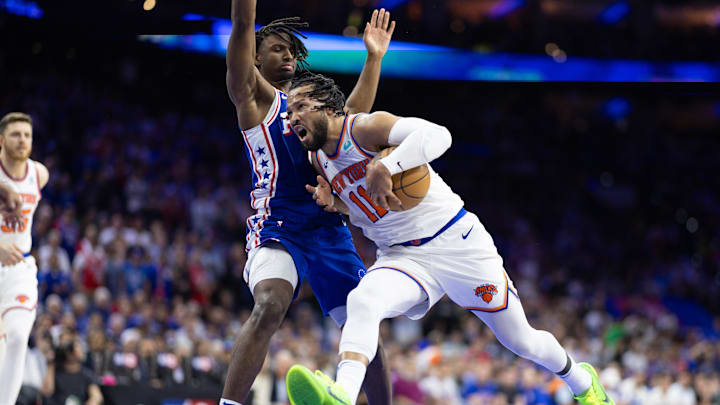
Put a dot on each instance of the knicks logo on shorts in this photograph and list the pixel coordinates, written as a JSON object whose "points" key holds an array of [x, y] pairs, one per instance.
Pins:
{"points": [[486, 292], [22, 298]]}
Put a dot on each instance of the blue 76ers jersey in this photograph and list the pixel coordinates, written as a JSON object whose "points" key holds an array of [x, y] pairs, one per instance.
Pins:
{"points": [[280, 171]]}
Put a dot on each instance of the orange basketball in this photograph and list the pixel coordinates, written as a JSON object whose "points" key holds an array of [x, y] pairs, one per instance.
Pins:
{"points": [[409, 186]]}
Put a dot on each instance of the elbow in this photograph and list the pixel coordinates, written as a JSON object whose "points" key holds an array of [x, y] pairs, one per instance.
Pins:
{"points": [[444, 138]]}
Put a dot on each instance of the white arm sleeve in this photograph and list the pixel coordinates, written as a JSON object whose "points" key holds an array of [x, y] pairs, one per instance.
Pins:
{"points": [[419, 141]]}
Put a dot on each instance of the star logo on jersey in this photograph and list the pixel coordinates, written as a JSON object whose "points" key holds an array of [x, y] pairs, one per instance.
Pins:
{"points": [[486, 291], [325, 165], [22, 298], [264, 163], [266, 175], [260, 151], [346, 146]]}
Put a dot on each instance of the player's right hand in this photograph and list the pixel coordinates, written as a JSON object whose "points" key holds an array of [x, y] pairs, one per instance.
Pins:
{"points": [[322, 194], [10, 207], [10, 255]]}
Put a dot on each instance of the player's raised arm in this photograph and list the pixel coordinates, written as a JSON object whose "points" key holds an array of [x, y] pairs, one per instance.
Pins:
{"points": [[419, 142], [250, 93], [377, 35]]}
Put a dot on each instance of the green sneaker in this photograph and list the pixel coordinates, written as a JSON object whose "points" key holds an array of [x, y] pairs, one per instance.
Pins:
{"points": [[307, 388], [595, 395]]}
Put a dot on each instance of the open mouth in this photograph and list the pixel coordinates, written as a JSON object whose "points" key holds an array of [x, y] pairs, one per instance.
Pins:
{"points": [[300, 131]]}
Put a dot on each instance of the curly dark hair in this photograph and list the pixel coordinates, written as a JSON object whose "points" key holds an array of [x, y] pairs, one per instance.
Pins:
{"points": [[291, 27], [324, 90]]}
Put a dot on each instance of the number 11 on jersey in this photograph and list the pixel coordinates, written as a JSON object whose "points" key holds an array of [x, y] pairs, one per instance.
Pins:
{"points": [[375, 213]]}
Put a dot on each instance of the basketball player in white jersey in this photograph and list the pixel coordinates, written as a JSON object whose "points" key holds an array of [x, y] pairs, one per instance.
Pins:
{"points": [[25, 178], [433, 249]]}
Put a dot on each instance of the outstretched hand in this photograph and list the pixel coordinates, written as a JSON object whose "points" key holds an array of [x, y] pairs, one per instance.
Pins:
{"points": [[322, 194], [378, 33]]}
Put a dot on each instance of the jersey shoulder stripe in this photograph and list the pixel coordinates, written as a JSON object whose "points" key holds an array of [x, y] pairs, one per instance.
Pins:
{"points": [[357, 146], [340, 141]]}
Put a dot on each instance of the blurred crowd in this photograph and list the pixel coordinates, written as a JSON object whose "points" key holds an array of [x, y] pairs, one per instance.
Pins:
{"points": [[606, 222]]}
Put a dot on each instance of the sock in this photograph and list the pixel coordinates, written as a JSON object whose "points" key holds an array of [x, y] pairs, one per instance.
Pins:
{"points": [[576, 377], [224, 401], [350, 376]]}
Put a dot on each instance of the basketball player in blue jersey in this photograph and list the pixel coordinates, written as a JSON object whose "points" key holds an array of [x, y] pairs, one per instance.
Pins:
{"points": [[425, 252], [289, 238]]}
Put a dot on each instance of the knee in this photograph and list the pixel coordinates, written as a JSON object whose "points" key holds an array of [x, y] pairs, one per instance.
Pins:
{"points": [[270, 307], [361, 301], [524, 345], [18, 335]]}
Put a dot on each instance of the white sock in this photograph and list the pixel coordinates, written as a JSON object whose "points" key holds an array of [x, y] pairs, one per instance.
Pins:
{"points": [[350, 376], [577, 378], [224, 401]]}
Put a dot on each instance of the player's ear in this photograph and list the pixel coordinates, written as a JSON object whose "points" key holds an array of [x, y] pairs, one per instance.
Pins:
{"points": [[258, 60]]}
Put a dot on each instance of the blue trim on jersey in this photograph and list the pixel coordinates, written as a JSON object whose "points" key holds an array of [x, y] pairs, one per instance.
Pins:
{"points": [[340, 141], [422, 241], [360, 149], [26, 254]]}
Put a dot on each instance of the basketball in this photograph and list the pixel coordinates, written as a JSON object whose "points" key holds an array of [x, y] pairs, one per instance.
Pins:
{"points": [[409, 186]]}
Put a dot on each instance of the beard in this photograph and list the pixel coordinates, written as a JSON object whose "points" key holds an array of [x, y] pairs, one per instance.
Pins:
{"points": [[18, 155], [319, 135]]}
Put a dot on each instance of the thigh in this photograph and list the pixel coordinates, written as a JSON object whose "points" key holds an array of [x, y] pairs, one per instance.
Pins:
{"points": [[271, 261], [19, 286], [410, 268], [391, 293], [466, 264], [334, 269]]}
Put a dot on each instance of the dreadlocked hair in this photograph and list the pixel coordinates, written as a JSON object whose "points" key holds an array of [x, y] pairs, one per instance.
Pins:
{"points": [[323, 90], [291, 27]]}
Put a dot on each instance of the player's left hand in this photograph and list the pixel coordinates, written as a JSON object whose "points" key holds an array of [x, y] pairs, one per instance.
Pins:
{"points": [[378, 33], [379, 185]]}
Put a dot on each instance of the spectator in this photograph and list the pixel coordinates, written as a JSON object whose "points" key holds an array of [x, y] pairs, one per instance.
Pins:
{"points": [[89, 261], [70, 382], [53, 249]]}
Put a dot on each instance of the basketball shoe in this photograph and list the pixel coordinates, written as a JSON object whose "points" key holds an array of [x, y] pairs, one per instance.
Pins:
{"points": [[595, 395], [307, 388]]}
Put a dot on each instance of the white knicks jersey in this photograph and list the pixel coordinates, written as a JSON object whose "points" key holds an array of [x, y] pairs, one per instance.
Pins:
{"points": [[28, 188], [345, 171]]}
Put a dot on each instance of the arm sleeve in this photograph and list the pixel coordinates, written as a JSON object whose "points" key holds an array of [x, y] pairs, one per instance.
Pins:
{"points": [[419, 141]]}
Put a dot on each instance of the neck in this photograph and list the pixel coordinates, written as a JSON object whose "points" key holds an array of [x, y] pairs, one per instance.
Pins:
{"points": [[15, 168], [283, 86], [72, 366], [335, 128]]}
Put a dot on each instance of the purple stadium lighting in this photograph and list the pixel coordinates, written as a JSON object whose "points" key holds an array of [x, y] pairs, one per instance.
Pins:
{"points": [[505, 7]]}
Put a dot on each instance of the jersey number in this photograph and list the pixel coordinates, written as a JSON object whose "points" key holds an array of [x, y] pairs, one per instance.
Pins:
{"points": [[21, 227], [374, 216], [287, 130]]}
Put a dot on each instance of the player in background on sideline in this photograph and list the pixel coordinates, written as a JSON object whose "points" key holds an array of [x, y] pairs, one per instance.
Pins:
{"points": [[433, 249], [21, 180], [289, 238]]}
